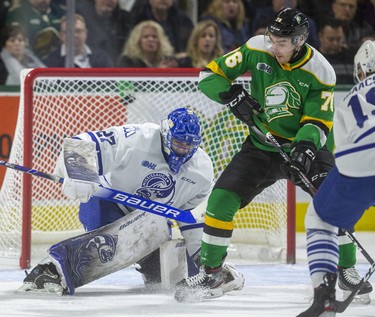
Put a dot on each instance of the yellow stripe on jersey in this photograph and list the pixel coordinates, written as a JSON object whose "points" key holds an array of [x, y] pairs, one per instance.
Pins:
{"points": [[301, 62], [217, 70], [328, 124], [218, 224]]}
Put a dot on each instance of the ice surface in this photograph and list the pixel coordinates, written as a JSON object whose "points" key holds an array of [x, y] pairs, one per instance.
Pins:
{"points": [[270, 290]]}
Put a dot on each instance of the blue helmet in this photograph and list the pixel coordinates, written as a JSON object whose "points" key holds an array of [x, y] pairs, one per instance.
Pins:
{"points": [[181, 137]]}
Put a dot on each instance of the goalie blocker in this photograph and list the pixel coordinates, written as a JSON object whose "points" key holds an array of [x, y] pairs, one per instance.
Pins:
{"points": [[80, 260]]}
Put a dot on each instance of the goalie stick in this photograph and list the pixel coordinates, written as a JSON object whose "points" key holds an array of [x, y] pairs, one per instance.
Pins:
{"points": [[267, 137], [117, 196]]}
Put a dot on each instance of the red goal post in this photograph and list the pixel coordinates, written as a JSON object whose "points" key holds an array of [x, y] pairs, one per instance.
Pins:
{"points": [[56, 103]]}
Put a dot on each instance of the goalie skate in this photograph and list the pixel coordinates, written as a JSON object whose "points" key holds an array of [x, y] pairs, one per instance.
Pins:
{"points": [[348, 279], [42, 279]]}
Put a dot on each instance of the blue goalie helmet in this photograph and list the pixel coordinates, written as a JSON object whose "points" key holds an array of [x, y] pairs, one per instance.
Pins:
{"points": [[181, 137]]}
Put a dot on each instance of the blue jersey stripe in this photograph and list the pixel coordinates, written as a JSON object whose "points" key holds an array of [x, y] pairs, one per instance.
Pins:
{"points": [[354, 150], [98, 152]]}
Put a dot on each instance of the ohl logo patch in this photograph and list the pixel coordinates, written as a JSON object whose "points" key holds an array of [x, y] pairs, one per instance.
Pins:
{"points": [[158, 186]]}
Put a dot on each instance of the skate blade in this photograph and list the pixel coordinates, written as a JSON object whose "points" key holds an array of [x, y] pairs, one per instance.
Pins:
{"points": [[32, 289], [196, 295], [328, 314], [233, 286], [214, 293], [363, 299]]}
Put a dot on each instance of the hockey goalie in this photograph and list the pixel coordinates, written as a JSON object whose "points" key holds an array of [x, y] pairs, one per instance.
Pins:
{"points": [[160, 163]]}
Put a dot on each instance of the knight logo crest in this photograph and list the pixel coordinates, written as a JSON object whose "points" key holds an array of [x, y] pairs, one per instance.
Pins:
{"points": [[280, 99]]}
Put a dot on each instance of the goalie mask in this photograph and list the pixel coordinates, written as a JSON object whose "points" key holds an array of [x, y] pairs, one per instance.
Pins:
{"points": [[364, 61], [181, 137]]}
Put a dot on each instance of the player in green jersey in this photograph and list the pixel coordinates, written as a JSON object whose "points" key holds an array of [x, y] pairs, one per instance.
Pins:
{"points": [[292, 97]]}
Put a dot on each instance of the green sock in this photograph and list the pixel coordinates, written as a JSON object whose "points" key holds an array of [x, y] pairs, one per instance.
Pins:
{"points": [[212, 255], [347, 255], [218, 227]]}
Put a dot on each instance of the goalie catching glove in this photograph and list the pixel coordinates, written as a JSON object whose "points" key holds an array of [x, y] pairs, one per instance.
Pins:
{"points": [[302, 155], [81, 179], [241, 104]]}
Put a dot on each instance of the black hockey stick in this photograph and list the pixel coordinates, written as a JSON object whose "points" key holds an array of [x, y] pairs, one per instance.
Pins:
{"points": [[267, 137], [117, 196], [341, 306], [359, 246]]}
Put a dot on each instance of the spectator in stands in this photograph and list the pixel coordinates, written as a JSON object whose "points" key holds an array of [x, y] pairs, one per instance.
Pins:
{"points": [[249, 6], [202, 6], [176, 24], [355, 31], [4, 7], [107, 24], [261, 26], [332, 46], [230, 17], [261, 3], [204, 45], [266, 14], [147, 46], [14, 55], [41, 21], [84, 56], [315, 9], [126, 5], [366, 12]]}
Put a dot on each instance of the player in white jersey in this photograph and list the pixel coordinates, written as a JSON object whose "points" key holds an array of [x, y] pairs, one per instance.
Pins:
{"points": [[163, 163], [348, 190]]}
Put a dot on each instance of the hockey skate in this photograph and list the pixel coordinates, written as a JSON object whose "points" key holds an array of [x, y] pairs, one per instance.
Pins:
{"points": [[324, 299], [204, 285], [233, 280], [348, 279], [43, 278]]}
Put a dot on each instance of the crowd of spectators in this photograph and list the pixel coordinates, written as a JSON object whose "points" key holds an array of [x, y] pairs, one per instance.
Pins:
{"points": [[162, 33]]}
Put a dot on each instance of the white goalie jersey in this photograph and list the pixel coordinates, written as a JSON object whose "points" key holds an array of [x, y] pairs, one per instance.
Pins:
{"points": [[354, 131], [130, 159]]}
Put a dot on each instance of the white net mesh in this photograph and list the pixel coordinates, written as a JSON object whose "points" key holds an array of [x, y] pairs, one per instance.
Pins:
{"points": [[67, 105]]}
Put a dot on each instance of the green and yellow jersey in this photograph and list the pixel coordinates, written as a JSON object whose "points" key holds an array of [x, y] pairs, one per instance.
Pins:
{"points": [[297, 98]]}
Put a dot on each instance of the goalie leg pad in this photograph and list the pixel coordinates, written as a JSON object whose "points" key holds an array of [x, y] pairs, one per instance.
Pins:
{"points": [[173, 263], [90, 256], [166, 266], [150, 268]]}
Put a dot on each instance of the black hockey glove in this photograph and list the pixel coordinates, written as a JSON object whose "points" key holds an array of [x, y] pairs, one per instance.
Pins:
{"points": [[242, 105], [301, 156]]}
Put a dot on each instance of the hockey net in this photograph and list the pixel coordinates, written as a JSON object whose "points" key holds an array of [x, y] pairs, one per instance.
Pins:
{"points": [[57, 103]]}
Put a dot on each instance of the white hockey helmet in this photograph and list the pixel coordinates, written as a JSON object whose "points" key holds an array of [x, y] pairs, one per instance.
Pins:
{"points": [[364, 61]]}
